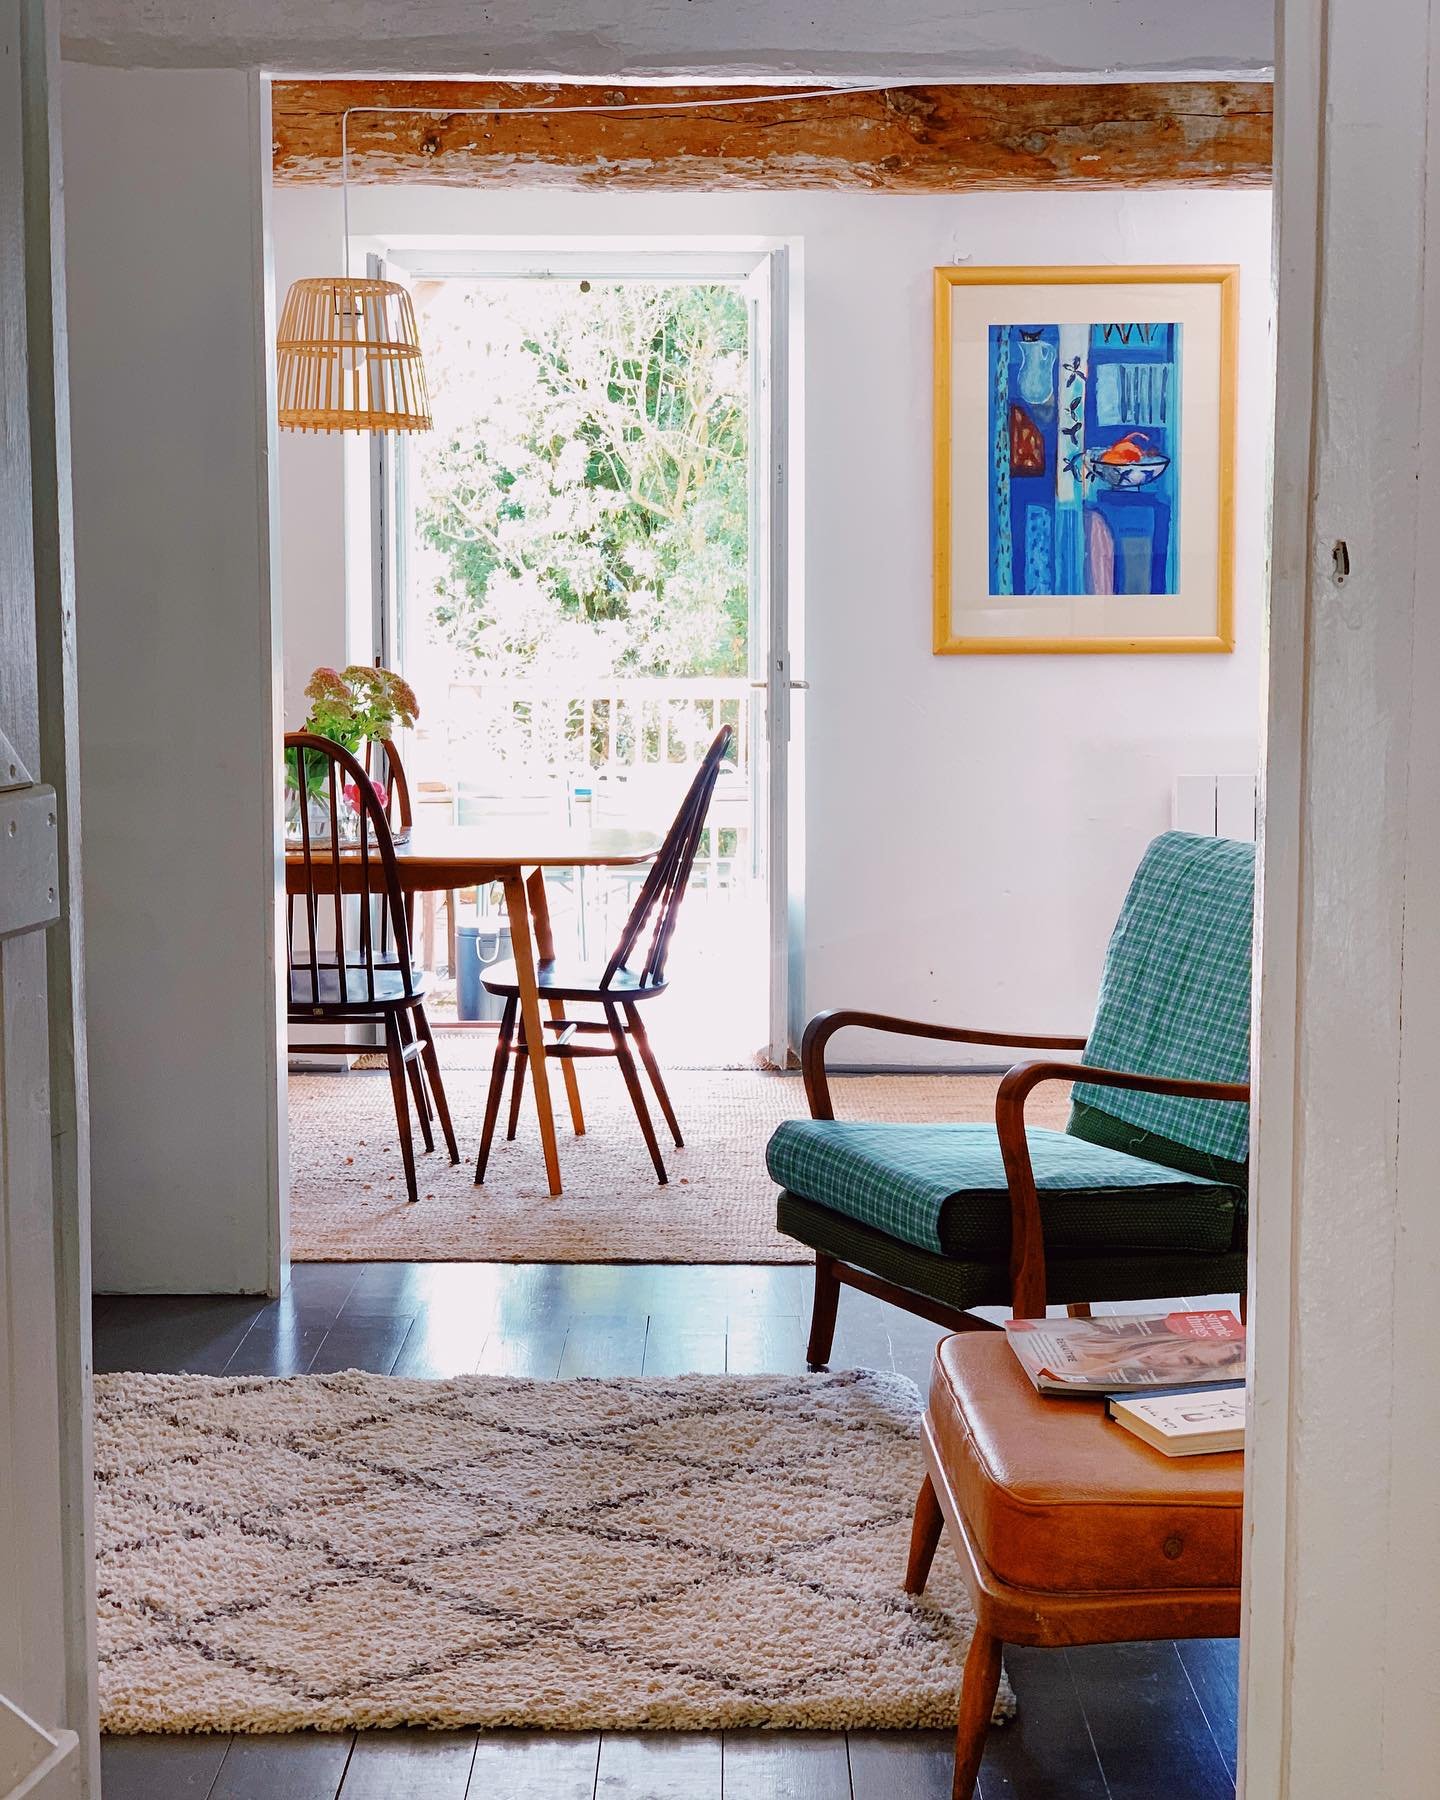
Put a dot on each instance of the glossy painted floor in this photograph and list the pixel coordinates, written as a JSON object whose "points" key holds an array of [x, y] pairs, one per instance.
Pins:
{"points": [[1126, 1722]]}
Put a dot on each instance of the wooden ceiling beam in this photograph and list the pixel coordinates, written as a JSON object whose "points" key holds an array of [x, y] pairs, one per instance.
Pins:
{"points": [[904, 140]]}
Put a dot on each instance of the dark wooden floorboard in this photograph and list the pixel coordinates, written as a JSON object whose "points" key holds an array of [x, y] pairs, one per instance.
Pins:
{"points": [[660, 1765], [535, 1765], [409, 1765], [757, 1345], [1111, 1723], [166, 1333], [307, 1765], [1045, 1752], [672, 1348], [1213, 1668], [902, 1765], [1149, 1732], [601, 1346], [786, 1765], [160, 1768], [370, 1341]]}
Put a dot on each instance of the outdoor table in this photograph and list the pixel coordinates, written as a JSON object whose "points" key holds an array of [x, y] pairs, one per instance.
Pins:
{"points": [[515, 853]]}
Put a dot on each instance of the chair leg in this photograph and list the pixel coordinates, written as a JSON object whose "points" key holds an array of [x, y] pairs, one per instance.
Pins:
{"points": [[417, 1079], [1078, 1309], [652, 1069], [637, 1093], [822, 1316], [437, 1086], [497, 1087], [925, 1532], [977, 1704], [517, 1090], [395, 1056]]}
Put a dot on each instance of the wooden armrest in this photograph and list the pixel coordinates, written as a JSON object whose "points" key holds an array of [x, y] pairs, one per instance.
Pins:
{"points": [[1027, 1238], [823, 1027]]}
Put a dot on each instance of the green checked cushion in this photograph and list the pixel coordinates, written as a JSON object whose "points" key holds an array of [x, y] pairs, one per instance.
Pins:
{"points": [[943, 1188], [1175, 994]]}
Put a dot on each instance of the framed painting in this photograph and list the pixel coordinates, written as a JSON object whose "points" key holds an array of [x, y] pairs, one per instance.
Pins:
{"points": [[1084, 459]]}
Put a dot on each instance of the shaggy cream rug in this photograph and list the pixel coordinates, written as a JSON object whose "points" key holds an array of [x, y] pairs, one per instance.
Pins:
{"points": [[347, 1192], [355, 1550]]}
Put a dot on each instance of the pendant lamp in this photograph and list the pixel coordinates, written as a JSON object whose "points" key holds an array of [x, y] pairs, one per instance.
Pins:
{"points": [[347, 354], [348, 357]]}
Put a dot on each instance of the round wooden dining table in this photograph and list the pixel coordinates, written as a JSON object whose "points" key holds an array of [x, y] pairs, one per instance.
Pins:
{"points": [[439, 856]]}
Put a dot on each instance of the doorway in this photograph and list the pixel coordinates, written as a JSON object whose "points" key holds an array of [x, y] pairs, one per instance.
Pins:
{"points": [[575, 571]]}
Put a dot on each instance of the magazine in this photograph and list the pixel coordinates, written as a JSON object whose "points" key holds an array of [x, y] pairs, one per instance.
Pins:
{"points": [[1128, 1352], [1185, 1421]]}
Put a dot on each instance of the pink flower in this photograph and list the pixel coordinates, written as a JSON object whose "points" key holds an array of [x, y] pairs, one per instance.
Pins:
{"points": [[352, 794]]}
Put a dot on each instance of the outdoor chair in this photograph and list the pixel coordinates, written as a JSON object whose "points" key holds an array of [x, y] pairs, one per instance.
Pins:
{"points": [[347, 937], [635, 973], [1144, 1193]]}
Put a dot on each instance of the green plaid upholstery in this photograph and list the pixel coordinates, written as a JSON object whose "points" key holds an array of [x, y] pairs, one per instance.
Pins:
{"points": [[1175, 994], [942, 1188], [961, 1284]]}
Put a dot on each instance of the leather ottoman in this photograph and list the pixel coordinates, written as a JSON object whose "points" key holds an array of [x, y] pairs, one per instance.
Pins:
{"points": [[1068, 1529]]}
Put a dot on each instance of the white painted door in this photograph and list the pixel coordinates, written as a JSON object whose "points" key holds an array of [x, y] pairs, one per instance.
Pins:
{"points": [[46, 1655]]}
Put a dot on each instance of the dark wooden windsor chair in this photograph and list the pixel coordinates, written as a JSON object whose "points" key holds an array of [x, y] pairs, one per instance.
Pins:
{"points": [[619, 987], [364, 974]]}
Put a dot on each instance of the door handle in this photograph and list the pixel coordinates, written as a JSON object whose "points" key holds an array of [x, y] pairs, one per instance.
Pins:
{"points": [[789, 684]]}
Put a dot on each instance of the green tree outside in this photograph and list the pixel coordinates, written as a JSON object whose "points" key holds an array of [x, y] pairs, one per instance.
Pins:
{"points": [[588, 506]]}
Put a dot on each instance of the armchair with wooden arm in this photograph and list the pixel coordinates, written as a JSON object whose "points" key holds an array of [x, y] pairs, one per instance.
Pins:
{"points": [[1142, 1196]]}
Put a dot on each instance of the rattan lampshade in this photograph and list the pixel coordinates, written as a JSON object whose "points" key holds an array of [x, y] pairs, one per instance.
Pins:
{"points": [[348, 358]]}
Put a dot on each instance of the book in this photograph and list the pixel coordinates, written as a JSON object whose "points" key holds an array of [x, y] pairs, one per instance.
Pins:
{"points": [[1128, 1352], [1184, 1421]]}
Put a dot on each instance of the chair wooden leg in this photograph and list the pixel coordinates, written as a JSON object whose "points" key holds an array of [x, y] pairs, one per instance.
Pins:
{"points": [[977, 1703], [822, 1315], [925, 1532], [497, 1087], [437, 1086], [652, 1069], [417, 1079], [395, 1056], [517, 1089], [637, 1093], [1078, 1309]]}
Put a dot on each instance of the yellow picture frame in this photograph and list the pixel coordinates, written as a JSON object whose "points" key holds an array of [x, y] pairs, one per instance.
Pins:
{"points": [[948, 640]]}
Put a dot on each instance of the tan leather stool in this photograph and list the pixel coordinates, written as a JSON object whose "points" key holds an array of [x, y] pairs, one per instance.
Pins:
{"points": [[1068, 1529]]}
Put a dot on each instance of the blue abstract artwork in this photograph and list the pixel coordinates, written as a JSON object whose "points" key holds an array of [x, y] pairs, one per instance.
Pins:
{"points": [[1084, 459]]}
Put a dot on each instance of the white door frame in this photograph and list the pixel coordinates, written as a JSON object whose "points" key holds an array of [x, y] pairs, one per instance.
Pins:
{"points": [[763, 266], [1342, 1577], [48, 1711]]}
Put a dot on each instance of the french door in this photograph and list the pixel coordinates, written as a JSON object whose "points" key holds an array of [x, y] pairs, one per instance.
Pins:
{"points": [[757, 693]]}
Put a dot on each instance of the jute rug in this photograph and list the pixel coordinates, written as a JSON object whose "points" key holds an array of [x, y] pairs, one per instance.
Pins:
{"points": [[354, 1550], [347, 1193]]}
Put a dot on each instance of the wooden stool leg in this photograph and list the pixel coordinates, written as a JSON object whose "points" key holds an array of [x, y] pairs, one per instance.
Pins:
{"points": [[517, 1089], [395, 1056], [497, 1087], [626, 1060], [977, 1703], [647, 1056], [417, 1081], [437, 1086], [924, 1538], [822, 1316]]}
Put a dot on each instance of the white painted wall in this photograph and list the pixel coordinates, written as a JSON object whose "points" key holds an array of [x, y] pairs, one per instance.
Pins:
{"points": [[178, 656], [971, 821], [1044, 40]]}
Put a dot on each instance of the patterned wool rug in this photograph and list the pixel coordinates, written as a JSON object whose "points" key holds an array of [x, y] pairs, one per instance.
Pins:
{"points": [[354, 1550], [347, 1193]]}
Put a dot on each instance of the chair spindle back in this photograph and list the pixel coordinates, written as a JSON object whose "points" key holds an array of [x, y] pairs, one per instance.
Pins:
{"points": [[664, 888], [335, 868]]}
